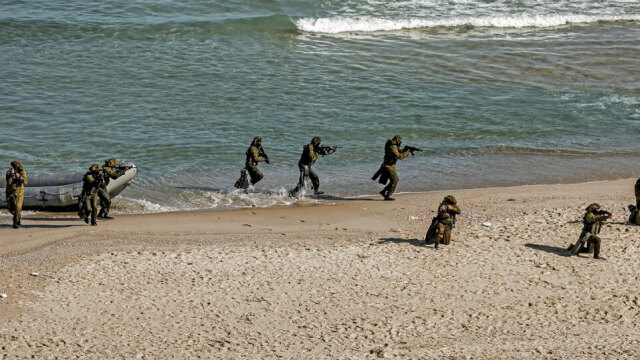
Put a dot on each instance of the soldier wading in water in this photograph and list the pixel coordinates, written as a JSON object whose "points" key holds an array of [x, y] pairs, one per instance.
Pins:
{"points": [[442, 224], [310, 154]]}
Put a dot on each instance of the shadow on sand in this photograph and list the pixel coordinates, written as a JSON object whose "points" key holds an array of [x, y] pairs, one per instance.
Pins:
{"points": [[550, 249], [414, 242], [38, 226]]}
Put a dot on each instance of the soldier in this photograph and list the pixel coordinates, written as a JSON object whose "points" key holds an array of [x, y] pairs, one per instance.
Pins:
{"points": [[443, 222], [91, 182], [108, 173], [387, 171], [16, 180], [255, 154], [634, 217], [592, 222], [309, 156]]}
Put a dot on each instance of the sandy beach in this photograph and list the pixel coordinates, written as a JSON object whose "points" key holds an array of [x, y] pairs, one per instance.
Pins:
{"points": [[349, 279]]}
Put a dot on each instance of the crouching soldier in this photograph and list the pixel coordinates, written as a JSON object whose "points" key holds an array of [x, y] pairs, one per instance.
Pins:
{"points": [[634, 217], [88, 201], [443, 223], [16, 180], [592, 223], [109, 171]]}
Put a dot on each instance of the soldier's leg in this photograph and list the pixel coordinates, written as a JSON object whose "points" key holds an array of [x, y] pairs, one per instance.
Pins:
{"points": [[440, 234], [447, 236], [86, 207], [300, 186], [94, 209], [315, 181], [105, 202], [595, 240], [255, 174], [11, 206], [393, 182], [17, 215]]}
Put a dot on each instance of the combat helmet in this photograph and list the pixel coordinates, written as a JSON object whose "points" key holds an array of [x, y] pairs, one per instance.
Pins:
{"points": [[316, 140], [110, 162], [397, 139], [592, 207], [16, 165], [95, 168], [450, 199], [256, 140]]}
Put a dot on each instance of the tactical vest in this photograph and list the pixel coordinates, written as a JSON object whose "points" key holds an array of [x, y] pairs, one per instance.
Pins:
{"points": [[593, 228]]}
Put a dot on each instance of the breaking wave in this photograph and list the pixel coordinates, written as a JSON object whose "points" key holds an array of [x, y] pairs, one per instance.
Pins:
{"points": [[333, 25]]}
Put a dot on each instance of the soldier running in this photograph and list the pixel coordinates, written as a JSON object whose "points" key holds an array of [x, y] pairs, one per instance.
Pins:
{"points": [[444, 222], [310, 154], [592, 223], [387, 171], [255, 154], [108, 172], [16, 180]]}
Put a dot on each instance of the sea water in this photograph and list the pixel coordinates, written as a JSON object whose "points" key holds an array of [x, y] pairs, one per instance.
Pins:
{"points": [[495, 92]]}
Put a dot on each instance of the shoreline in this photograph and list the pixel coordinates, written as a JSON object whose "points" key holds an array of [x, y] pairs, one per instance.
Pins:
{"points": [[312, 280]]}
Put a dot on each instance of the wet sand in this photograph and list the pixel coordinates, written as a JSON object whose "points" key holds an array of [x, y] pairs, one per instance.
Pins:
{"points": [[346, 279]]}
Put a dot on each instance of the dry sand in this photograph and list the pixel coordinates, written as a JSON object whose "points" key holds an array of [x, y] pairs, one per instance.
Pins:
{"points": [[347, 279]]}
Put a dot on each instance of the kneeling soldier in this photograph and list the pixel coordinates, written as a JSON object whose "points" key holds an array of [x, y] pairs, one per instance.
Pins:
{"points": [[592, 223], [16, 180], [444, 222]]}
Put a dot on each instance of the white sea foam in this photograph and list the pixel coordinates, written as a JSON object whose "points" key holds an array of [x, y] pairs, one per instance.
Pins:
{"points": [[332, 25]]}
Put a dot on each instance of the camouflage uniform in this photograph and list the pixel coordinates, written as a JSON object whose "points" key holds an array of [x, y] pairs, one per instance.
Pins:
{"points": [[255, 154], [310, 154], [443, 223], [108, 173], [387, 171], [637, 191], [634, 217], [15, 191], [91, 182], [592, 224]]}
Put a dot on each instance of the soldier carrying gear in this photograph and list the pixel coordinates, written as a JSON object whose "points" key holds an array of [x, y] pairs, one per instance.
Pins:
{"points": [[387, 171], [310, 154], [16, 180], [108, 172], [88, 201], [592, 223], [255, 154], [443, 222]]}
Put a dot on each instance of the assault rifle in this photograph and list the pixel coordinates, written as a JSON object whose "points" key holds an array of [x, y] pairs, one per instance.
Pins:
{"points": [[602, 213], [411, 149], [326, 149], [263, 154]]}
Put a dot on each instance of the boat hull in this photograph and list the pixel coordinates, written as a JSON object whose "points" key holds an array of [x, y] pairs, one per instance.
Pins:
{"points": [[61, 192]]}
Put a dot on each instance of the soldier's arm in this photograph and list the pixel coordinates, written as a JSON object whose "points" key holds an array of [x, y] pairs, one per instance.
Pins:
{"points": [[455, 209], [601, 218], [24, 178], [312, 153], [255, 155], [398, 154], [9, 178], [590, 218]]}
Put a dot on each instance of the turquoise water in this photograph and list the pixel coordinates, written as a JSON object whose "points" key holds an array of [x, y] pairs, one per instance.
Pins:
{"points": [[495, 92]]}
